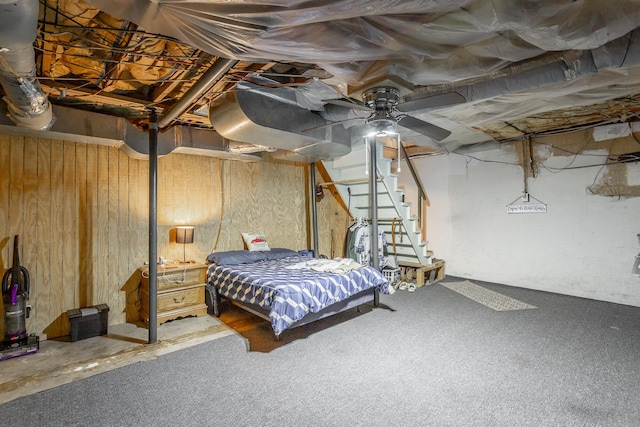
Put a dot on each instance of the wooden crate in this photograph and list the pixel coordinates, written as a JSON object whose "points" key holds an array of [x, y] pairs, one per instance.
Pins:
{"points": [[428, 273]]}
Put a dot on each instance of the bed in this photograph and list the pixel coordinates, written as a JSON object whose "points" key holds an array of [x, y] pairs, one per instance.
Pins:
{"points": [[287, 288]]}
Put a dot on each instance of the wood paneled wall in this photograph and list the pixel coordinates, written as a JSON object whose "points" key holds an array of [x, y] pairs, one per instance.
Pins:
{"points": [[82, 211]]}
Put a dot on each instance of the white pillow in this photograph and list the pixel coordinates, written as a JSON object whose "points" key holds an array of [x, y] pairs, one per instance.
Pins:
{"points": [[256, 241]]}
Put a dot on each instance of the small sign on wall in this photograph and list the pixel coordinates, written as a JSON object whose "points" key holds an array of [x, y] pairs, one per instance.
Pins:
{"points": [[525, 206]]}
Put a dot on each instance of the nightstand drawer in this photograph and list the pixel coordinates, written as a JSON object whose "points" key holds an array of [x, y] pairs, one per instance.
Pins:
{"points": [[178, 299], [180, 278]]}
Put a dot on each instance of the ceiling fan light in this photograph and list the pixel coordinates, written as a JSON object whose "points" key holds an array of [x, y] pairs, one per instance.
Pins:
{"points": [[382, 127], [380, 133]]}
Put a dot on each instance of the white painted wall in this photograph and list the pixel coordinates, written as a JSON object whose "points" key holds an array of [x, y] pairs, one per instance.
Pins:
{"points": [[584, 245]]}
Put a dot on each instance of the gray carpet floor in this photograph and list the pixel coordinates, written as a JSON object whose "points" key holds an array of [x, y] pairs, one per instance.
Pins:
{"points": [[440, 359]]}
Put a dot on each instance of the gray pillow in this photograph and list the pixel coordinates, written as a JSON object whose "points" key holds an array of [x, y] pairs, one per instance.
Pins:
{"points": [[278, 253], [236, 257]]}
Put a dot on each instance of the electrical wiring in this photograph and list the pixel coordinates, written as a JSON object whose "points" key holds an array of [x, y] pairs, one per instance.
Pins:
{"points": [[186, 60], [79, 36], [548, 168], [119, 79], [609, 162], [220, 165], [595, 178], [562, 131], [487, 161], [569, 167], [575, 156], [541, 164], [555, 147], [435, 153], [166, 59], [560, 169]]}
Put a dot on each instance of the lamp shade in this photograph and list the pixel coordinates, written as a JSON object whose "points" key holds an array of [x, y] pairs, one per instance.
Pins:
{"points": [[184, 234]]}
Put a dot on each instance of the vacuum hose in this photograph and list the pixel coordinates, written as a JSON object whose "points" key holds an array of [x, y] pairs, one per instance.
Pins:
{"points": [[15, 294]]}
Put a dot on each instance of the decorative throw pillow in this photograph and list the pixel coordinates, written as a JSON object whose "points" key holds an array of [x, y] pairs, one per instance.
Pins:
{"points": [[255, 241]]}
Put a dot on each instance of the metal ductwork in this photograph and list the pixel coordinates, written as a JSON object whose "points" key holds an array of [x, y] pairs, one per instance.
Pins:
{"points": [[272, 117], [27, 103], [244, 148], [81, 126], [619, 53]]}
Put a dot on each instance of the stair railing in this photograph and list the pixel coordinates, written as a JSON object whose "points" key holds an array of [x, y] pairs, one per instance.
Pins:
{"points": [[422, 195]]}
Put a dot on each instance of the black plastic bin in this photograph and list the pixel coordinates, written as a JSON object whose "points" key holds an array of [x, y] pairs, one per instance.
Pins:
{"points": [[88, 322]]}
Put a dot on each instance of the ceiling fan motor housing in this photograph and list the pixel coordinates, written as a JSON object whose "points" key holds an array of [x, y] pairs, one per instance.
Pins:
{"points": [[382, 100]]}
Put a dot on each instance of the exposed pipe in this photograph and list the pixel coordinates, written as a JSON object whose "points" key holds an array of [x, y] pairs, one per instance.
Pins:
{"points": [[27, 103], [314, 208], [373, 207], [153, 228], [208, 79]]}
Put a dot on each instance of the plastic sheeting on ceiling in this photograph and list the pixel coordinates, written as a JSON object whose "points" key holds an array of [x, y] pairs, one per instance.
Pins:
{"points": [[523, 66], [423, 42], [434, 45]]}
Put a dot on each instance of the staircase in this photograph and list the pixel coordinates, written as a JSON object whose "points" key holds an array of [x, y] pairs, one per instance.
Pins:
{"points": [[349, 175]]}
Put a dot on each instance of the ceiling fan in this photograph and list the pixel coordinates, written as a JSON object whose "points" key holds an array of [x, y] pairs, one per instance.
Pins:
{"points": [[386, 112]]}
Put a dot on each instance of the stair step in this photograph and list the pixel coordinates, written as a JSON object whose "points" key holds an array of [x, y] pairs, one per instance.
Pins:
{"points": [[388, 220], [402, 259], [405, 245], [348, 182], [402, 234], [397, 220], [379, 207], [367, 193]]}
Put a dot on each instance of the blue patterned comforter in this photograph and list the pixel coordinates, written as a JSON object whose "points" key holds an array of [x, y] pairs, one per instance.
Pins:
{"points": [[287, 294]]}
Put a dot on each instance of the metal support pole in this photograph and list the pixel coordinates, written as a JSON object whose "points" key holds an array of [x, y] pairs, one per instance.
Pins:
{"points": [[373, 208], [314, 210], [153, 227]]}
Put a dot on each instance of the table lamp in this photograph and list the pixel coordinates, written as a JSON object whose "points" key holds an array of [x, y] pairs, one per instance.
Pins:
{"points": [[184, 235]]}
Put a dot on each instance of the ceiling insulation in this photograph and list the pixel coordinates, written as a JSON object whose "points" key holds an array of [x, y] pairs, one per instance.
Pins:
{"points": [[525, 68]]}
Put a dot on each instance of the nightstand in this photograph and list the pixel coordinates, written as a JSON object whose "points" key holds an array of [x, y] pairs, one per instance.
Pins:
{"points": [[180, 291]]}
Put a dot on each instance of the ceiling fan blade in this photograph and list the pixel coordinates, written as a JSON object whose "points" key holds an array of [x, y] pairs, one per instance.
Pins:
{"points": [[435, 101], [432, 131], [347, 103]]}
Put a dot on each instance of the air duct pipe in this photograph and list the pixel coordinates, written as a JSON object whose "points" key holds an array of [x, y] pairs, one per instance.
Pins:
{"points": [[619, 53], [27, 103], [208, 79]]}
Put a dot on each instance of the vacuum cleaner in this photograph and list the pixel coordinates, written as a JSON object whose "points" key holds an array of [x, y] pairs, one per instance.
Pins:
{"points": [[15, 294]]}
